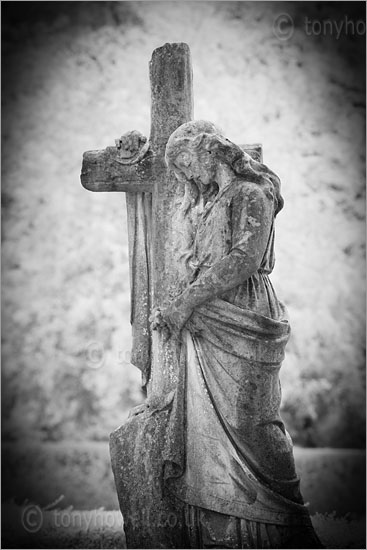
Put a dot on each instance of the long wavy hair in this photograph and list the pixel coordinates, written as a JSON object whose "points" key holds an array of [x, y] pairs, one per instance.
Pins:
{"points": [[200, 137]]}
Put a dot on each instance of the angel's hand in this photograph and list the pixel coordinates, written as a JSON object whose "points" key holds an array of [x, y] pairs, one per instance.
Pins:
{"points": [[157, 322], [175, 317], [130, 143]]}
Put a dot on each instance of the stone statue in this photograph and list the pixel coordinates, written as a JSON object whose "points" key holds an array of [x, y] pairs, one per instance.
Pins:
{"points": [[206, 461], [229, 457]]}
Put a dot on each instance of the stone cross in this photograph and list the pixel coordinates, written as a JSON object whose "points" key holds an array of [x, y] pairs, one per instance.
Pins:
{"points": [[149, 189], [151, 194], [151, 197]]}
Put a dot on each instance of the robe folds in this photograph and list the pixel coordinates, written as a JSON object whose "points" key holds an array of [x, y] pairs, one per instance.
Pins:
{"points": [[228, 456], [230, 452]]}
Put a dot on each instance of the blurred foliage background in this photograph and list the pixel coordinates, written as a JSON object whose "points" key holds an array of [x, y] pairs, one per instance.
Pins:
{"points": [[75, 77]]}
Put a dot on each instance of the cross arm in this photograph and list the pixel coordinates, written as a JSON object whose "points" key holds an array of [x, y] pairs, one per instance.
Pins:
{"points": [[105, 171]]}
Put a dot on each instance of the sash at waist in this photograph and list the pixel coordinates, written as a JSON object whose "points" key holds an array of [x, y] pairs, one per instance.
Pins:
{"points": [[241, 332]]}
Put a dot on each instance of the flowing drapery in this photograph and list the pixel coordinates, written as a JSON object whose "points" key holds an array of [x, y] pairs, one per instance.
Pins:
{"points": [[228, 450]]}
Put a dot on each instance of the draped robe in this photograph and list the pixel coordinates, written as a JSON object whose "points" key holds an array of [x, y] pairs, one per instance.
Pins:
{"points": [[228, 455]]}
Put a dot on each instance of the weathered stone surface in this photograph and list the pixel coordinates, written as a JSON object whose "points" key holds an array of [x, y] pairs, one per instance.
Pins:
{"points": [[151, 203], [206, 461], [237, 468], [103, 171], [152, 269], [151, 519], [172, 105]]}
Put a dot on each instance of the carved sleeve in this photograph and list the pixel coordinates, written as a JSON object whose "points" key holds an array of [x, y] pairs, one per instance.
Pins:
{"points": [[251, 220]]}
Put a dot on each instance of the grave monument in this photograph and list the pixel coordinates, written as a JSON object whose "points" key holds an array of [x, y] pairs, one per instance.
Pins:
{"points": [[206, 461]]}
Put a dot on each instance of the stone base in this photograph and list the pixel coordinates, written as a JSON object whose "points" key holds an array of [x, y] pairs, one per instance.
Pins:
{"points": [[151, 520]]}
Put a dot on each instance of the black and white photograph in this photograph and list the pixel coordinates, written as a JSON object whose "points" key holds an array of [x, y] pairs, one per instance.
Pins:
{"points": [[183, 274]]}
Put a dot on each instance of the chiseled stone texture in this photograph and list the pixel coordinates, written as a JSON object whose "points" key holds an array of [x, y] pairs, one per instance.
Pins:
{"points": [[150, 521]]}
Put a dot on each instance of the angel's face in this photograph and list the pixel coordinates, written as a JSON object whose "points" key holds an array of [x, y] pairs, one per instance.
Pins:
{"points": [[197, 166]]}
